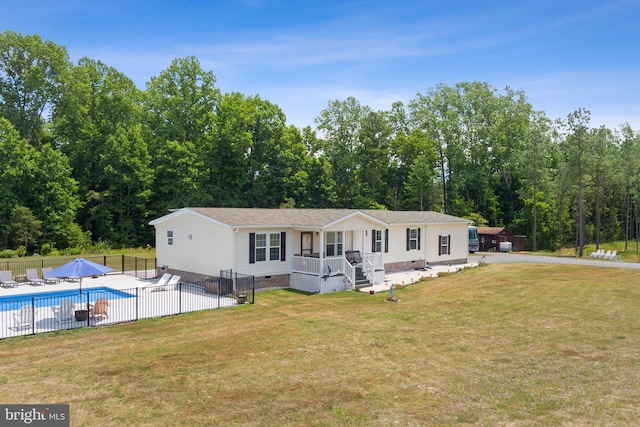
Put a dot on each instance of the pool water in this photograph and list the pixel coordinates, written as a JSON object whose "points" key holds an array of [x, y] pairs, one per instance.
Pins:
{"points": [[48, 299]]}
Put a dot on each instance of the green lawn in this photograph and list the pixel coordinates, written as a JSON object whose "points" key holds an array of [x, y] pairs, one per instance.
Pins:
{"points": [[498, 345]]}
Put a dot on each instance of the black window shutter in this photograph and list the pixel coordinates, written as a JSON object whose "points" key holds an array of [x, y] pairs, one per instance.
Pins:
{"points": [[408, 243], [418, 238], [439, 245], [252, 248], [386, 240], [283, 246], [449, 245], [373, 241]]}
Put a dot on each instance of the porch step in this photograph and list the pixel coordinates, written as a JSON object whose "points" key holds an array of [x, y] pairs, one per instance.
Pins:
{"points": [[362, 283], [361, 279]]}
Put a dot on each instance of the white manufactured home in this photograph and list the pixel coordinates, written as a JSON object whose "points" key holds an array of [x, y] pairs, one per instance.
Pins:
{"points": [[315, 250]]}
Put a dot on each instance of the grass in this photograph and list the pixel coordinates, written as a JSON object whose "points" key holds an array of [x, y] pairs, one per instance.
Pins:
{"points": [[502, 344], [631, 254]]}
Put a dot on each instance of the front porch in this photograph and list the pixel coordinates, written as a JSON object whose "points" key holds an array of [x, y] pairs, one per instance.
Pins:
{"points": [[314, 273]]}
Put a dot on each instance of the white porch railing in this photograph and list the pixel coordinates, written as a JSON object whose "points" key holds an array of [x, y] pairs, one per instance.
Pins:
{"points": [[375, 259], [305, 265], [311, 265], [336, 265]]}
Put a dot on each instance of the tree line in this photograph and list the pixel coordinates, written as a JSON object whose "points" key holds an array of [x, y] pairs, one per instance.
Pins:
{"points": [[86, 156]]}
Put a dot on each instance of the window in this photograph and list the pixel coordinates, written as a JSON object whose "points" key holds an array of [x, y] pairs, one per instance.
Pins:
{"points": [[261, 247], [274, 246], [444, 246], [169, 237], [412, 239], [267, 247], [376, 242], [334, 243]]}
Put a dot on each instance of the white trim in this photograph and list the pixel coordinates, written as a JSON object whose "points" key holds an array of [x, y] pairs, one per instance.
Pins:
{"points": [[184, 211], [351, 215]]}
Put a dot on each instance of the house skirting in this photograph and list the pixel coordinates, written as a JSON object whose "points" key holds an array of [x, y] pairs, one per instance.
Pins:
{"points": [[419, 263], [275, 281]]}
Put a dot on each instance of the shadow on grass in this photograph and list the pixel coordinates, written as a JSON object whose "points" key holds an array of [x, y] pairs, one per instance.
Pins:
{"points": [[297, 291]]}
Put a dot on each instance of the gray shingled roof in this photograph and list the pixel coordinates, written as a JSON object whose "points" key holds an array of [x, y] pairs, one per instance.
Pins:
{"points": [[248, 217]]}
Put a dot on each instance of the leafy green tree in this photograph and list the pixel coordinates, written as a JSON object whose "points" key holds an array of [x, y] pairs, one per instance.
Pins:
{"points": [[182, 135], [373, 158], [53, 196], [227, 158], [31, 75], [16, 165], [126, 189], [340, 124], [577, 152], [319, 190], [181, 103], [23, 228], [535, 162], [416, 161], [98, 103], [266, 171], [629, 174], [178, 171], [604, 146]]}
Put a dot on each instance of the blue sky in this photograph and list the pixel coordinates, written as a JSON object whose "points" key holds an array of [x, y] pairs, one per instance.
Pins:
{"points": [[563, 54]]}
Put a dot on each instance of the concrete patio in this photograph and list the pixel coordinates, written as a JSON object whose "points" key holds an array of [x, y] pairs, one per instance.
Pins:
{"points": [[412, 276]]}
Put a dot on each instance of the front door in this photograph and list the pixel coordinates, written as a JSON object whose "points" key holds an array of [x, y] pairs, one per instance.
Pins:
{"points": [[306, 242]]}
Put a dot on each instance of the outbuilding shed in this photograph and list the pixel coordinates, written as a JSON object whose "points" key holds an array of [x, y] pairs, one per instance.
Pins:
{"points": [[491, 237]]}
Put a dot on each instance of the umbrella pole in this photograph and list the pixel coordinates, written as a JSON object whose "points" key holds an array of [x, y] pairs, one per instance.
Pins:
{"points": [[80, 280]]}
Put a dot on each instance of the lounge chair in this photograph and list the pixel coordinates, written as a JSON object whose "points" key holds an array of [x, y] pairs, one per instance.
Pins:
{"points": [[173, 283], [65, 312], [160, 284], [597, 254], [613, 255], [6, 280], [607, 255], [45, 276], [32, 277], [23, 318], [99, 308]]}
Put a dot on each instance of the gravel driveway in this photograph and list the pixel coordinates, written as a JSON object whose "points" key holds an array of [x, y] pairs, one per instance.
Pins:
{"points": [[500, 257]]}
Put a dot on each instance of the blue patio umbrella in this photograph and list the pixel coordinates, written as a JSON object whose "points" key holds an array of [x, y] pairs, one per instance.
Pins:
{"points": [[79, 268]]}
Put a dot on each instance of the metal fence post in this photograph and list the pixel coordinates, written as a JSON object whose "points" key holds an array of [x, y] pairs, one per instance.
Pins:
{"points": [[33, 316], [88, 310]]}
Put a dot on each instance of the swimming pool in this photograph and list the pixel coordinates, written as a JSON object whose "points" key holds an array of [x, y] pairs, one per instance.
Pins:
{"points": [[48, 299]]}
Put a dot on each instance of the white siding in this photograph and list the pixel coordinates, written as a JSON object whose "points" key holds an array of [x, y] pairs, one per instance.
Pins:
{"points": [[459, 242], [398, 245], [199, 246], [263, 268], [428, 243]]}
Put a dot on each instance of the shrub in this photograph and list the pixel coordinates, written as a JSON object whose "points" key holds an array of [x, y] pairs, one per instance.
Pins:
{"points": [[8, 253], [46, 249], [21, 251], [101, 247], [72, 251]]}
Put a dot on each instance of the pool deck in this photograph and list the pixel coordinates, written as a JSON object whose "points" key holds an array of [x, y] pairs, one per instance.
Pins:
{"points": [[114, 281], [147, 304]]}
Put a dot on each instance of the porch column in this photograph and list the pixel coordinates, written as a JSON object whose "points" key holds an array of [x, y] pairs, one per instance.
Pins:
{"points": [[321, 258]]}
